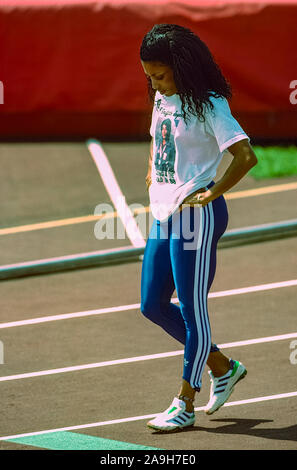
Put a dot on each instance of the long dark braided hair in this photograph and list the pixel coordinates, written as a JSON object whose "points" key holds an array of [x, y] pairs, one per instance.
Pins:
{"points": [[195, 72]]}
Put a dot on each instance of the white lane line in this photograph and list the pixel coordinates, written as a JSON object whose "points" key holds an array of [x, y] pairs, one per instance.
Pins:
{"points": [[129, 360], [139, 418], [66, 316], [121, 308], [257, 288], [115, 193]]}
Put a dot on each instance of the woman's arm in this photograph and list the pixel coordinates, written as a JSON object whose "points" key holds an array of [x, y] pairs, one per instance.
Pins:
{"points": [[244, 159], [148, 178]]}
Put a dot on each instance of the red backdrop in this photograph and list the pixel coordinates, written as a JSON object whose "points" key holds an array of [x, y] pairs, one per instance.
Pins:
{"points": [[71, 68]]}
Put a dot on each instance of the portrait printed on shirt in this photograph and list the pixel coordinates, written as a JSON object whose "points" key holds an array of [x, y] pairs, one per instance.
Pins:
{"points": [[165, 152]]}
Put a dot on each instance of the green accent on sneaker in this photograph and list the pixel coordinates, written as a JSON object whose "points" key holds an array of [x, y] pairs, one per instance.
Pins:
{"points": [[172, 409], [235, 367]]}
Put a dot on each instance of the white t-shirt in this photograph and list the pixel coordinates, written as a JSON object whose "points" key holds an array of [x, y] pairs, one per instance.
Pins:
{"points": [[186, 156]]}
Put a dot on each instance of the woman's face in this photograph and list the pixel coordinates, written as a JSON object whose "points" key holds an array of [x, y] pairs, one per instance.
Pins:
{"points": [[161, 77], [164, 131]]}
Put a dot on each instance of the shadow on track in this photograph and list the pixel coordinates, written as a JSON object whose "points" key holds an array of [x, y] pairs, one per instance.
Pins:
{"points": [[244, 427]]}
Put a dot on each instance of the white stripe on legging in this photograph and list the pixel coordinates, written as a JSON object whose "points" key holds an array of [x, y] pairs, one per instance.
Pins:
{"points": [[197, 293], [205, 318], [205, 280], [200, 307]]}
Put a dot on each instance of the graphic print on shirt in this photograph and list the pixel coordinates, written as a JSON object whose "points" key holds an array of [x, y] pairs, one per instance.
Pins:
{"points": [[165, 152]]}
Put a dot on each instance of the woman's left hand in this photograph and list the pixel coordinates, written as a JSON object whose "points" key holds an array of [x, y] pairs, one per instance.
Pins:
{"points": [[199, 199], [204, 198]]}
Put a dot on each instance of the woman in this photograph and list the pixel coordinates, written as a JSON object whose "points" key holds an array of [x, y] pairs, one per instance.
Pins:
{"points": [[191, 215]]}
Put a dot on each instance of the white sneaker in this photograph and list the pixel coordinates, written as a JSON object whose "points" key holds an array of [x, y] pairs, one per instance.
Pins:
{"points": [[174, 417], [222, 387]]}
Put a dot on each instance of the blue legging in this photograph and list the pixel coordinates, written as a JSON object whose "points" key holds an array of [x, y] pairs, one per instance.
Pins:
{"points": [[181, 254]]}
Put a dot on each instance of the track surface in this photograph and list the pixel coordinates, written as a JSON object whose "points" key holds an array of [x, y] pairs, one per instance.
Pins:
{"points": [[49, 182]]}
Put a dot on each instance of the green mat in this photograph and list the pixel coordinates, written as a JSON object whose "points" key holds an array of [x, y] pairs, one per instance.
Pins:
{"points": [[274, 162], [64, 440]]}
